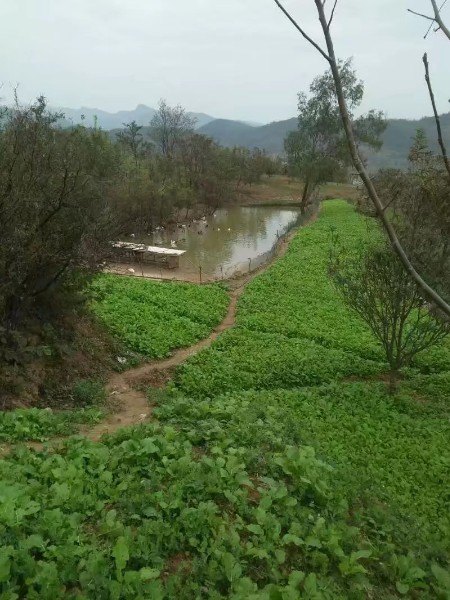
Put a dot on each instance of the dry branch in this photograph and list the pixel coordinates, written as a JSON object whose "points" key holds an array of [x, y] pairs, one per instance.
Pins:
{"points": [[358, 163], [436, 115], [302, 31], [438, 18]]}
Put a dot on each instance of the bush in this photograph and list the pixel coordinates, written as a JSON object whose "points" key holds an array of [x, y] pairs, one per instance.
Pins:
{"points": [[87, 392]]}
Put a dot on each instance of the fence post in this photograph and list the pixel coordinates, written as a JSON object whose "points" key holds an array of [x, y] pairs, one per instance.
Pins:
{"points": [[221, 271], [249, 265], [200, 270]]}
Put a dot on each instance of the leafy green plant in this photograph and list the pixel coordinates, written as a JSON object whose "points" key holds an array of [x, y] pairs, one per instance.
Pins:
{"points": [[268, 472], [37, 424], [154, 318]]}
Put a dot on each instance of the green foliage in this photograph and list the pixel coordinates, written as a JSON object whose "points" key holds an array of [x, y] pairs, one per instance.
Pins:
{"points": [[293, 330], [318, 151], [36, 424], [374, 284], [143, 515], [242, 359], [329, 491], [394, 449], [88, 391], [155, 318]]}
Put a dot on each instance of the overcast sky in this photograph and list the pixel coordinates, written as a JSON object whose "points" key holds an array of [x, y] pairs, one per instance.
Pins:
{"points": [[237, 59]]}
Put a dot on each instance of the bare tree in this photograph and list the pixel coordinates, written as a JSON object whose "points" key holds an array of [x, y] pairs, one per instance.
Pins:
{"points": [[330, 56], [436, 115], [169, 126]]}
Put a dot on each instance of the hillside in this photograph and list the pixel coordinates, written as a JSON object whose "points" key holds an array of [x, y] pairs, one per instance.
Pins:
{"points": [[396, 139], [232, 133], [142, 114]]}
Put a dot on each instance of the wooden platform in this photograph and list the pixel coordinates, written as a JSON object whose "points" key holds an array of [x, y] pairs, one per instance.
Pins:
{"points": [[131, 252]]}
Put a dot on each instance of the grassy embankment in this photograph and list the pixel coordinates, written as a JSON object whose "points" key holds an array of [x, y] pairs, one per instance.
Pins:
{"points": [[144, 319], [280, 189], [279, 467]]}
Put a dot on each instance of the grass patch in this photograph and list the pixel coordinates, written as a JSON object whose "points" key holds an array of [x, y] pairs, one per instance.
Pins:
{"points": [[155, 318], [41, 424]]}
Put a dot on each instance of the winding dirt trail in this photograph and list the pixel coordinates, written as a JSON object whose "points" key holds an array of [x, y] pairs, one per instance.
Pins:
{"points": [[125, 389]]}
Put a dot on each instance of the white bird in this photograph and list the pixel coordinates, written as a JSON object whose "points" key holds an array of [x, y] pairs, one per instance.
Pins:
{"points": [[229, 228], [130, 270], [218, 229], [133, 235], [173, 243]]}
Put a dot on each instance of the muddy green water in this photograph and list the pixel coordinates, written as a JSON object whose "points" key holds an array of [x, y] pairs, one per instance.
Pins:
{"points": [[231, 240]]}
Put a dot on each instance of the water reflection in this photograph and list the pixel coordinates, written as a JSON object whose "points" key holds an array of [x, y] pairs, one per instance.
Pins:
{"points": [[225, 242]]}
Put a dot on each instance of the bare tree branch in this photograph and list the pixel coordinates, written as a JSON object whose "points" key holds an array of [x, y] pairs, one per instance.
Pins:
{"points": [[421, 15], [438, 18], [436, 115], [359, 165], [303, 33], [332, 13]]}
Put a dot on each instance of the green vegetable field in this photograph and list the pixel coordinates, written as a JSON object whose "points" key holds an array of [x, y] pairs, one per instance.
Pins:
{"points": [[277, 467], [154, 318]]}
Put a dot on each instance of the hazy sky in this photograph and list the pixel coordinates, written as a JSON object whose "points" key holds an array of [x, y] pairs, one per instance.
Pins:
{"points": [[238, 59]]}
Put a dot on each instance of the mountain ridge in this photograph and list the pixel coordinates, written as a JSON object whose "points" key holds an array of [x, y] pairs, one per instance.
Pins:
{"points": [[142, 114], [397, 138]]}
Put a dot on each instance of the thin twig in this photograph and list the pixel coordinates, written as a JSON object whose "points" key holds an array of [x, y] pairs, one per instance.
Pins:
{"points": [[332, 14], [421, 15], [436, 115], [304, 34]]}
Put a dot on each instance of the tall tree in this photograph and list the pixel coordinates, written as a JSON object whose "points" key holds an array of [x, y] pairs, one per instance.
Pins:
{"points": [[318, 149], [132, 138]]}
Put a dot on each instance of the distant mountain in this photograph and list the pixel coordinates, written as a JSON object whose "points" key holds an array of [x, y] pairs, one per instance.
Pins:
{"points": [[142, 114], [234, 133], [397, 138]]}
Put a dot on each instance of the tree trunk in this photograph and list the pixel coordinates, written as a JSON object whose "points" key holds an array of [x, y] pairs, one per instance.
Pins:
{"points": [[305, 199], [393, 381]]}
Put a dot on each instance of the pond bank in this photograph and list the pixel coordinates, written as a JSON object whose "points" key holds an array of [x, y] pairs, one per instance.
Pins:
{"points": [[215, 252]]}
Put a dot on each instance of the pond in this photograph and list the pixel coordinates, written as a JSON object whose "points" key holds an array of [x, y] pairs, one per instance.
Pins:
{"points": [[233, 239]]}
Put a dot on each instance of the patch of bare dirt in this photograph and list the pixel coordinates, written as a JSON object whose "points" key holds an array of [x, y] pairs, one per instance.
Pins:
{"points": [[133, 406], [177, 564]]}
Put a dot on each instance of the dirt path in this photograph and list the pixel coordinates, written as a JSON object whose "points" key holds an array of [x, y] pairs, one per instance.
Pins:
{"points": [[134, 407], [125, 389]]}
